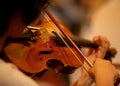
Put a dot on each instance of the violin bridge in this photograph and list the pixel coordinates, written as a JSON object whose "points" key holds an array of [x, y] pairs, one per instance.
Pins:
{"points": [[45, 36]]}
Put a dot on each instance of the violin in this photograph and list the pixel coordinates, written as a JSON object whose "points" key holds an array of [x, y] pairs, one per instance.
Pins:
{"points": [[50, 50]]}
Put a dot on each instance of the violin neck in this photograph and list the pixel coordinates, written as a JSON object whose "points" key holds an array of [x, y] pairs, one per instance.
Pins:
{"points": [[78, 41], [83, 43]]}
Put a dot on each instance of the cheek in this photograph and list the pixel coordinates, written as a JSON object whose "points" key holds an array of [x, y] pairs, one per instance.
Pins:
{"points": [[15, 30], [16, 25]]}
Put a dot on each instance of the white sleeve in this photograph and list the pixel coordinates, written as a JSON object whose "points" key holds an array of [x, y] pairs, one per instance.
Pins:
{"points": [[11, 76]]}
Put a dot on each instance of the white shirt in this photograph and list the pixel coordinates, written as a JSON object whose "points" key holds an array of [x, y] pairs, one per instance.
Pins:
{"points": [[10, 75]]}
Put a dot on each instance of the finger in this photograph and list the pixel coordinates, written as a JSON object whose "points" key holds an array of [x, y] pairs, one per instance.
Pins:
{"points": [[90, 51], [102, 49]]}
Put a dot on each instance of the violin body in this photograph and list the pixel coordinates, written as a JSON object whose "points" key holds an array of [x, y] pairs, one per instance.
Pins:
{"points": [[44, 53]]}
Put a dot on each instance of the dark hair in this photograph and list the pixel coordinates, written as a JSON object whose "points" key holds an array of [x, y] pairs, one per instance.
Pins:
{"points": [[30, 9]]}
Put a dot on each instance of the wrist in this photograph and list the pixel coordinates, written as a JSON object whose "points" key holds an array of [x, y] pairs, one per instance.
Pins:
{"points": [[84, 80]]}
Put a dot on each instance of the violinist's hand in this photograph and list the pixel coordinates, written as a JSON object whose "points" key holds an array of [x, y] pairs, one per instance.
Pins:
{"points": [[92, 54], [100, 52], [104, 73]]}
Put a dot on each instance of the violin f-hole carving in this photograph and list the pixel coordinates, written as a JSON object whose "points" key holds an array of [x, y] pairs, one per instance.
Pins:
{"points": [[46, 52]]}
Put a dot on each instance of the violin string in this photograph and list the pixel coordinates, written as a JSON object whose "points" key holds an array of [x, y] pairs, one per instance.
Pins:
{"points": [[47, 18]]}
